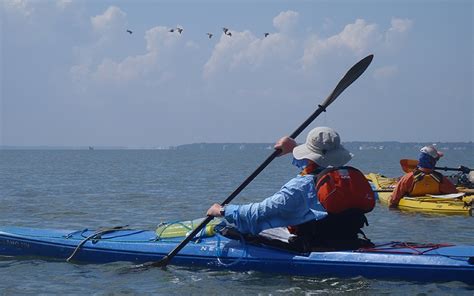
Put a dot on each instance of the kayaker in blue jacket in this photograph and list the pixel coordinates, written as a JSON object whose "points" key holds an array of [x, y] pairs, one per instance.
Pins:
{"points": [[296, 203]]}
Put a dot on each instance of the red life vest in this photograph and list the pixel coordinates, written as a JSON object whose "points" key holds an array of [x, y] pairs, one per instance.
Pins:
{"points": [[343, 188]]}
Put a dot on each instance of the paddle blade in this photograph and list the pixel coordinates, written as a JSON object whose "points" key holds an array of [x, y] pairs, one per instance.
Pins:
{"points": [[162, 263], [347, 80], [145, 266], [142, 267], [408, 165]]}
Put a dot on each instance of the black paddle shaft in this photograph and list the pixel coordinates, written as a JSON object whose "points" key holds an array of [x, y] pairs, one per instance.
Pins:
{"points": [[347, 80], [463, 169]]}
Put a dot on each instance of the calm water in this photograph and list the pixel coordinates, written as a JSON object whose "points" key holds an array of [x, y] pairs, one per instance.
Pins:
{"points": [[75, 189]]}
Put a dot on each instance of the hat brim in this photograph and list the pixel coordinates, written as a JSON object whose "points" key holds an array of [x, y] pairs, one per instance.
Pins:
{"points": [[334, 158]]}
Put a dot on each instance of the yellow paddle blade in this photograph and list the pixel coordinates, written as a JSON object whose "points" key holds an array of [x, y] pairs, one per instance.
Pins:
{"points": [[408, 165]]}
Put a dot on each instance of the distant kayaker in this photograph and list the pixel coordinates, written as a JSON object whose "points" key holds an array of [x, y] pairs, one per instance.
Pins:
{"points": [[424, 179], [312, 205]]}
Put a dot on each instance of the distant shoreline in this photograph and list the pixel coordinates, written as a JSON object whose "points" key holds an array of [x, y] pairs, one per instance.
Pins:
{"points": [[353, 145]]}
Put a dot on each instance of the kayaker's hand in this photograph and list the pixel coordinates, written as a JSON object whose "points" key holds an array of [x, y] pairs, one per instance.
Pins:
{"points": [[286, 145], [215, 210], [393, 206]]}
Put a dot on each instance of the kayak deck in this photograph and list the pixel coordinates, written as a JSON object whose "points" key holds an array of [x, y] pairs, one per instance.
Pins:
{"points": [[396, 260], [426, 204]]}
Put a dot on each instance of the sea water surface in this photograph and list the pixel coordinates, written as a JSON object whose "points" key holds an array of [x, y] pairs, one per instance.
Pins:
{"points": [[77, 189]]}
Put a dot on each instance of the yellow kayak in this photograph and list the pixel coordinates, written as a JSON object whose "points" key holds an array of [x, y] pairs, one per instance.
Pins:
{"points": [[460, 203]]}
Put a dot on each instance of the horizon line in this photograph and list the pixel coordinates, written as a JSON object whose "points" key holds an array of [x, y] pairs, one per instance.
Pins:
{"points": [[211, 143]]}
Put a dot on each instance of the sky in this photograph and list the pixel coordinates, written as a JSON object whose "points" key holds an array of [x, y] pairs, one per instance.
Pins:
{"points": [[71, 74]]}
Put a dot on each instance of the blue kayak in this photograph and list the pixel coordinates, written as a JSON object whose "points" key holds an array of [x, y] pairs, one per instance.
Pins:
{"points": [[391, 260]]}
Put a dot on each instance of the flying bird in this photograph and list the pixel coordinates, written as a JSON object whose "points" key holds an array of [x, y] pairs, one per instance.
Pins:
{"points": [[130, 32], [229, 33], [171, 30], [210, 35], [225, 30], [180, 30], [266, 34]]}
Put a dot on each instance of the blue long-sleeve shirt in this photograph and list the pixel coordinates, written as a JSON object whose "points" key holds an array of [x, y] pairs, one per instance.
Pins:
{"points": [[295, 203]]}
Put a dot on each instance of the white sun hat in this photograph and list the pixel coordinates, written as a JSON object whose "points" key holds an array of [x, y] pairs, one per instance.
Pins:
{"points": [[432, 151], [323, 146]]}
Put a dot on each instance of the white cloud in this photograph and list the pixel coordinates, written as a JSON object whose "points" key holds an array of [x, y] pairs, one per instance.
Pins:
{"points": [[272, 48], [400, 25], [286, 20], [63, 3], [24, 8], [27, 8], [160, 37], [113, 19], [357, 38], [160, 45], [224, 51], [42, 24], [158, 41], [129, 69], [110, 29], [244, 49]]}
